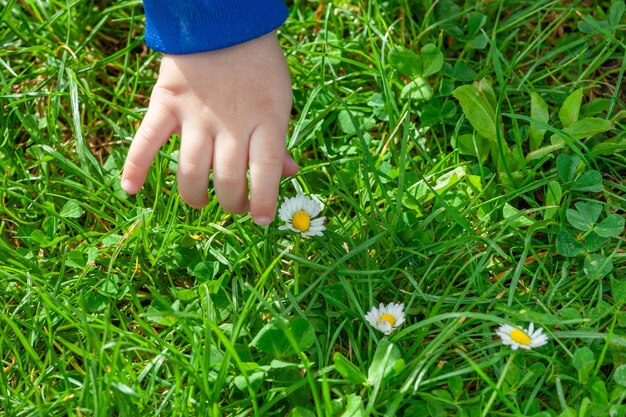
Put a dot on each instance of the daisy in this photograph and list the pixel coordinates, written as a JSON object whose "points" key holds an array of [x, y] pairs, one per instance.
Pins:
{"points": [[299, 215], [386, 318], [519, 338]]}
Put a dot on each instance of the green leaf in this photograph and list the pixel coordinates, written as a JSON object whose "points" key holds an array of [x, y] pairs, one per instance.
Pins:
{"points": [[585, 216], [612, 226], [599, 394], [566, 245], [591, 25], [422, 192], [377, 103], [384, 362], [254, 381], [443, 395], [480, 41], [204, 272], [577, 220], [473, 145], [590, 210], [435, 111], [597, 266], [593, 242], [272, 337], [589, 181], [184, 294], [435, 408], [301, 412], [347, 121], [485, 88], [543, 151], [92, 255], [517, 218], [600, 311], [553, 198], [278, 364], [615, 13], [568, 114], [478, 109], [111, 240], [418, 89], [405, 61], [569, 412], [354, 406], [71, 210], [566, 166], [432, 59], [609, 147], [618, 291], [455, 383], [163, 312], [620, 375], [417, 408], [463, 72], [348, 370], [539, 113], [583, 362], [75, 259], [303, 332], [475, 21], [596, 106], [587, 127]]}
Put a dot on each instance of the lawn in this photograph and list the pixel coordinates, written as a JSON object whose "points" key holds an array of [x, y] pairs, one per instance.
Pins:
{"points": [[469, 157]]}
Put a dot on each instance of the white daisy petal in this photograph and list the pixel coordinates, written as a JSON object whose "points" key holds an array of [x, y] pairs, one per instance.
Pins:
{"points": [[300, 215], [386, 318], [520, 338]]}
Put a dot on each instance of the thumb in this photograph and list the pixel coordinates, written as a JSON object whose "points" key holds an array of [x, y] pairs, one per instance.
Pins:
{"points": [[290, 167]]}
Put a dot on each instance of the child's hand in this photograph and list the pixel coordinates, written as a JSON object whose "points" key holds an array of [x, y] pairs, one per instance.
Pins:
{"points": [[231, 108]]}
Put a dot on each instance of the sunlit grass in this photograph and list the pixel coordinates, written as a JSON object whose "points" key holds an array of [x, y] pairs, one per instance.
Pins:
{"points": [[118, 305]]}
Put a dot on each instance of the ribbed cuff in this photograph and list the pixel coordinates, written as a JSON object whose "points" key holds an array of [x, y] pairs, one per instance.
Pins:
{"points": [[190, 26]]}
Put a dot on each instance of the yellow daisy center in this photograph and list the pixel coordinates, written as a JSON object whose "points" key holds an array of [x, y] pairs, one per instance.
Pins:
{"points": [[389, 318], [520, 337], [301, 221]]}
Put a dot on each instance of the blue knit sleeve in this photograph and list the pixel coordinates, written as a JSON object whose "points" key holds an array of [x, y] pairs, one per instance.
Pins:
{"points": [[189, 26]]}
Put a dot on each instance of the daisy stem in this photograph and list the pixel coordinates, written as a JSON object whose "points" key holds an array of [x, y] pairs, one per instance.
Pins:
{"points": [[494, 394], [296, 267]]}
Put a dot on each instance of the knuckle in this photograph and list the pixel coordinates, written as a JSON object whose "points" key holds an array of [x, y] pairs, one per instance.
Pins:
{"points": [[278, 104], [231, 183], [133, 166], [233, 206], [195, 200], [148, 132], [270, 158], [163, 91], [191, 171]]}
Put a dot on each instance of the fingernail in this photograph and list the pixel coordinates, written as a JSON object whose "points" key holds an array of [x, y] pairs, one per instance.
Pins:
{"points": [[263, 221], [128, 186]]}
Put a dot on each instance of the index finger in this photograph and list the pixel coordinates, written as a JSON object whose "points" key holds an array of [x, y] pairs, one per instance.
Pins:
{"points": [[155, 129]]}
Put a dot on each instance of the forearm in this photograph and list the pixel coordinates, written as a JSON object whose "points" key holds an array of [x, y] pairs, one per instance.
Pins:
{"points": [[190, 26]]}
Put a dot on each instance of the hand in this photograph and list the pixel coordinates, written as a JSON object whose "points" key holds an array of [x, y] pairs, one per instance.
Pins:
{"points": [[231, 108]]}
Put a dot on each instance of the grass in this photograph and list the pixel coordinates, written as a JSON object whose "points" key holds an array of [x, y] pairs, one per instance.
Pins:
{"points": [[133, 306]]}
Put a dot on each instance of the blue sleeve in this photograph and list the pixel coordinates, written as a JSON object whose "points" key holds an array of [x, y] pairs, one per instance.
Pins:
{"points": [[189, 26]]}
